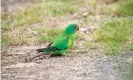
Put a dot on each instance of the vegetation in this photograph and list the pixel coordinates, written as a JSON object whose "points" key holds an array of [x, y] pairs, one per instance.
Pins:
{"points": [[110, 32], [115, 33], [125, 9], [48, 34], [37, 13], [13, 27], [16, 28]]}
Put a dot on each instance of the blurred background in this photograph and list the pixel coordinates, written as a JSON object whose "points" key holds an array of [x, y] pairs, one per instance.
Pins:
{"points": [[107, 26]]}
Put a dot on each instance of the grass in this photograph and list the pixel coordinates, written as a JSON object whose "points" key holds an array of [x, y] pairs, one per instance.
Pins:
{"points": [[110, 33], [34, 13], [42, 35], [58, 9], [13, 40], [8, 40], [114, 34], [4, 44], [46, 35], [27, 16], [125, 8]]}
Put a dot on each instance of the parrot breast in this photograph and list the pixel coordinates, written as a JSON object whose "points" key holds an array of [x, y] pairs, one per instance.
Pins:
{"points": [[70, 43]]}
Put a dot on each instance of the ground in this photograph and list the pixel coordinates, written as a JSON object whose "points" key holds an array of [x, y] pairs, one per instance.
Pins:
{"points": [[83, 65], [80, 63]]}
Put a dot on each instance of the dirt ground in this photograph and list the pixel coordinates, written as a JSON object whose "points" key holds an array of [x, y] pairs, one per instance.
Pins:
{"points": [[82, 65]]}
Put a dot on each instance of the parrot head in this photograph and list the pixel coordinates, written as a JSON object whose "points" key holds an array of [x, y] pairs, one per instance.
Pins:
{"points": [[71, 29]]}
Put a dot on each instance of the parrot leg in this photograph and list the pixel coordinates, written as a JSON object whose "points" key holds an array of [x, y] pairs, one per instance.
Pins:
{"points": [[30, 59], [50, 44], [36, 56]]}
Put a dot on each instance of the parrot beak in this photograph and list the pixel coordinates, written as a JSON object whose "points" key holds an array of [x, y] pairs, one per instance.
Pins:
{"points": [[77, 28]]}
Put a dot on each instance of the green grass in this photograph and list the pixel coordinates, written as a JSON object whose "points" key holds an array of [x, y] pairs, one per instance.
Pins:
{"points": [[114, 34], [4, 44], [125, 8]]}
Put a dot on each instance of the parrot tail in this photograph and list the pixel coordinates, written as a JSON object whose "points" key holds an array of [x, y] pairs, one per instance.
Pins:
{"points": [[47, 49], [41, 50]]}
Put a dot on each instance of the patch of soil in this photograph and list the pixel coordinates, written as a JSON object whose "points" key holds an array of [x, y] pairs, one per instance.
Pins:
{"points": [[81, 64]]}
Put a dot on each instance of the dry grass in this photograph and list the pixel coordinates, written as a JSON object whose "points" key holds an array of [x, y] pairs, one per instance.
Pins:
{"points": [[16, 28]]}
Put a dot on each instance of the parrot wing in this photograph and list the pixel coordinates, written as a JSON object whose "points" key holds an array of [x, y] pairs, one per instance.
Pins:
{"points": [[59, 44]]}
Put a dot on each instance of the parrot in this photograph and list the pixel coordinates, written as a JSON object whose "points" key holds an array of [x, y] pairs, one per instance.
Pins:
{"points": [[61, 44]]}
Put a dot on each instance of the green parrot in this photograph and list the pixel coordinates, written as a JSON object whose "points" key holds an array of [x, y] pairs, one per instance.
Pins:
{"points": [[61, 44]]}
